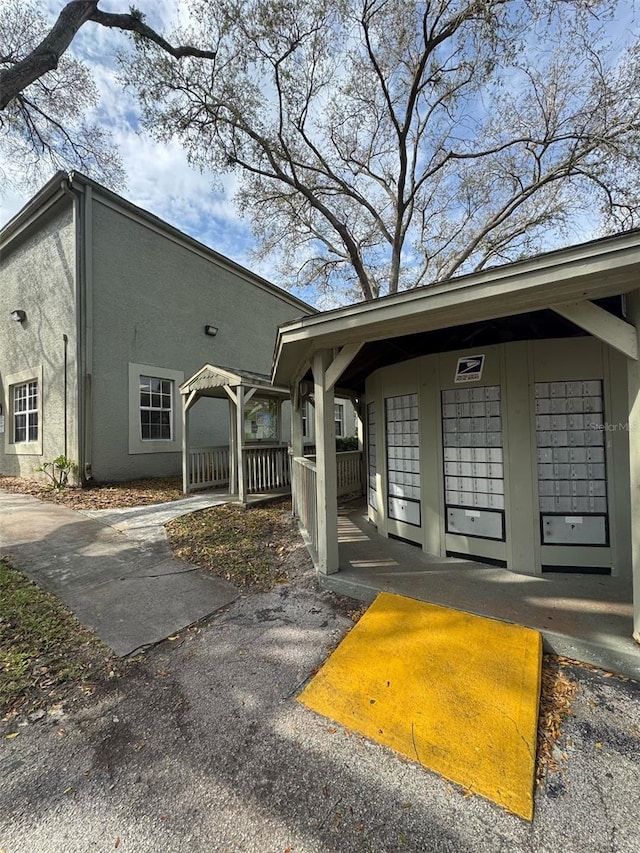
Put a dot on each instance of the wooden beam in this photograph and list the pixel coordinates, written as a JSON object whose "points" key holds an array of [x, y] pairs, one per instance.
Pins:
{"points": [[233, 397], [340, 364], [602, 325], [190, 400]]}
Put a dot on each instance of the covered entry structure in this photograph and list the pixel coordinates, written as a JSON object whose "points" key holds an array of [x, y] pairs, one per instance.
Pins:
{"points": [[502, 413], [256, 459]]}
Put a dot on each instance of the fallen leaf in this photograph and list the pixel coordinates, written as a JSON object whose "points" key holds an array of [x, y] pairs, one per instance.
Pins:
{"points": [[599, 745], [11, 735], [174, 637], [117, 844]]}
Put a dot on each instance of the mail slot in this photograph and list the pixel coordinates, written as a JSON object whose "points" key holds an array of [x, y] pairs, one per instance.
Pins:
{"points": [[574, 530], [475, 522]]}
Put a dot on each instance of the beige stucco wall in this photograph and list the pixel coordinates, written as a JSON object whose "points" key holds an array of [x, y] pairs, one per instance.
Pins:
{"points": [[515, 367], [151, 298], [37, 275]]}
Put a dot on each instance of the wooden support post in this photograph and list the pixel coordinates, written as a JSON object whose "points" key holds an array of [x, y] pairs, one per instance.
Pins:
{"points": [[633, 380], [297, 441], [326, 473], [633, 375], [233, 456], [186, 473], [240, 445], [297, 437]]}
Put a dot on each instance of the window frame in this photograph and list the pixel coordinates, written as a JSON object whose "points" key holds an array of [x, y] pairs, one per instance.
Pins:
{"points": [[11, 382], [151, 408], [26, 406], [338, 419], [137, 444]]}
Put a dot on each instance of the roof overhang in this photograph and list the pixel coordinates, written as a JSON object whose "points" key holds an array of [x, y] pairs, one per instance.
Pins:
{"points": [[211, 381], [601, 268]]}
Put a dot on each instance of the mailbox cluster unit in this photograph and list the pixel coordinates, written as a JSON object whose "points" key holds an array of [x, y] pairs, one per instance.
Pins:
{"points": [[372, 491], [473, 461], [572, 482], [403, 458], [516, 454]]}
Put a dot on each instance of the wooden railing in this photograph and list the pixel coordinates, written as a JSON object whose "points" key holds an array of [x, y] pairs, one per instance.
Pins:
{"points": [[208, 467], [304, 499], [266, 468], [349, 472]]}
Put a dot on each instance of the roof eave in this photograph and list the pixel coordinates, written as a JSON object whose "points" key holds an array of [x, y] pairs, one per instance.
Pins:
{"points": [[594, 270]]}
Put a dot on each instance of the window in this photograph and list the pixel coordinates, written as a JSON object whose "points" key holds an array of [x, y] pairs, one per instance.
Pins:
{"points": [[23, 407], [155, 422], [156, 409], [339, 419], [25, 412]]}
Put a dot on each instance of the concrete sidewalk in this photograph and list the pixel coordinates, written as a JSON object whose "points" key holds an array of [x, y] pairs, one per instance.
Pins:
{"points": [[129, 589]]}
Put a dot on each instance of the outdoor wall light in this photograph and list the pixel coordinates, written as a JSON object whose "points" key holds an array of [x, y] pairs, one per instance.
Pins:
{"points": [[18, 315], [212, 331]]}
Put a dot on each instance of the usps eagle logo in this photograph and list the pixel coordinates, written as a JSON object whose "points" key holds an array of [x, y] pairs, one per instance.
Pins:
{"points": [[469, 368]]}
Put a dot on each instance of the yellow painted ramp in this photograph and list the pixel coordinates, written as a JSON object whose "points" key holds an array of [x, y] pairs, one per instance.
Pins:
{"points": [[456, 692]]}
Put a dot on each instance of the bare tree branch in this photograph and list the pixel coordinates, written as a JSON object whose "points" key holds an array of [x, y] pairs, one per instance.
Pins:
{"points": [[45, 57]]}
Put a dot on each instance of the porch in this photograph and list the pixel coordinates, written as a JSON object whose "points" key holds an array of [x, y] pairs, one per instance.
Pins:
{"points": [[584, 617]]}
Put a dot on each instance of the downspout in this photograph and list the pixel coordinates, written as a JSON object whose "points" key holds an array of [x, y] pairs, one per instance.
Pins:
{"points": [[84, 321], [65, 340]]}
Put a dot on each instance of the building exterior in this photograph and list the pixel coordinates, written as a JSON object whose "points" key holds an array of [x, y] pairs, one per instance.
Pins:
{"points": [[502, 413], [105, 310]]}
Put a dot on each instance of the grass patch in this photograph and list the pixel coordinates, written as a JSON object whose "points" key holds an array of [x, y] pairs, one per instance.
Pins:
{"points": [[44, 650], [250, 546]]}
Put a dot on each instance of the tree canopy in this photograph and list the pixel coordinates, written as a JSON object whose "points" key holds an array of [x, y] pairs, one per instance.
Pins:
{"points": [[386, 144]]}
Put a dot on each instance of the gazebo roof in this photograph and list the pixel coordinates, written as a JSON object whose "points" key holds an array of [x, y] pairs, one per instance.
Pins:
{"points": [[211, 381]]}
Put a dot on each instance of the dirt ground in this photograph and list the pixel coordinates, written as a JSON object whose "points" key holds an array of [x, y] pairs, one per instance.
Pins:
{"points": [[100, 496]]}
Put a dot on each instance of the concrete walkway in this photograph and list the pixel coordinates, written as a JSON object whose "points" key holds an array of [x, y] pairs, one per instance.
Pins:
{"points": [[113, 568], [585, 617]]}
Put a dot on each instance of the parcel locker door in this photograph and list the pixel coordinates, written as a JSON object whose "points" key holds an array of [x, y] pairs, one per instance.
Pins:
{"points": [[473, 462], [403, 466], [572, 482]]}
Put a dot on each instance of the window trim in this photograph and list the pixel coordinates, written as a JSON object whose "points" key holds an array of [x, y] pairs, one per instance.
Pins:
{"points": [[154, 445], [338, 418], [10, 382]]}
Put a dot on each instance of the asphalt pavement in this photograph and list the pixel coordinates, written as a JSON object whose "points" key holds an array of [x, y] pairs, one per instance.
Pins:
{"points": [[203, 747]]}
